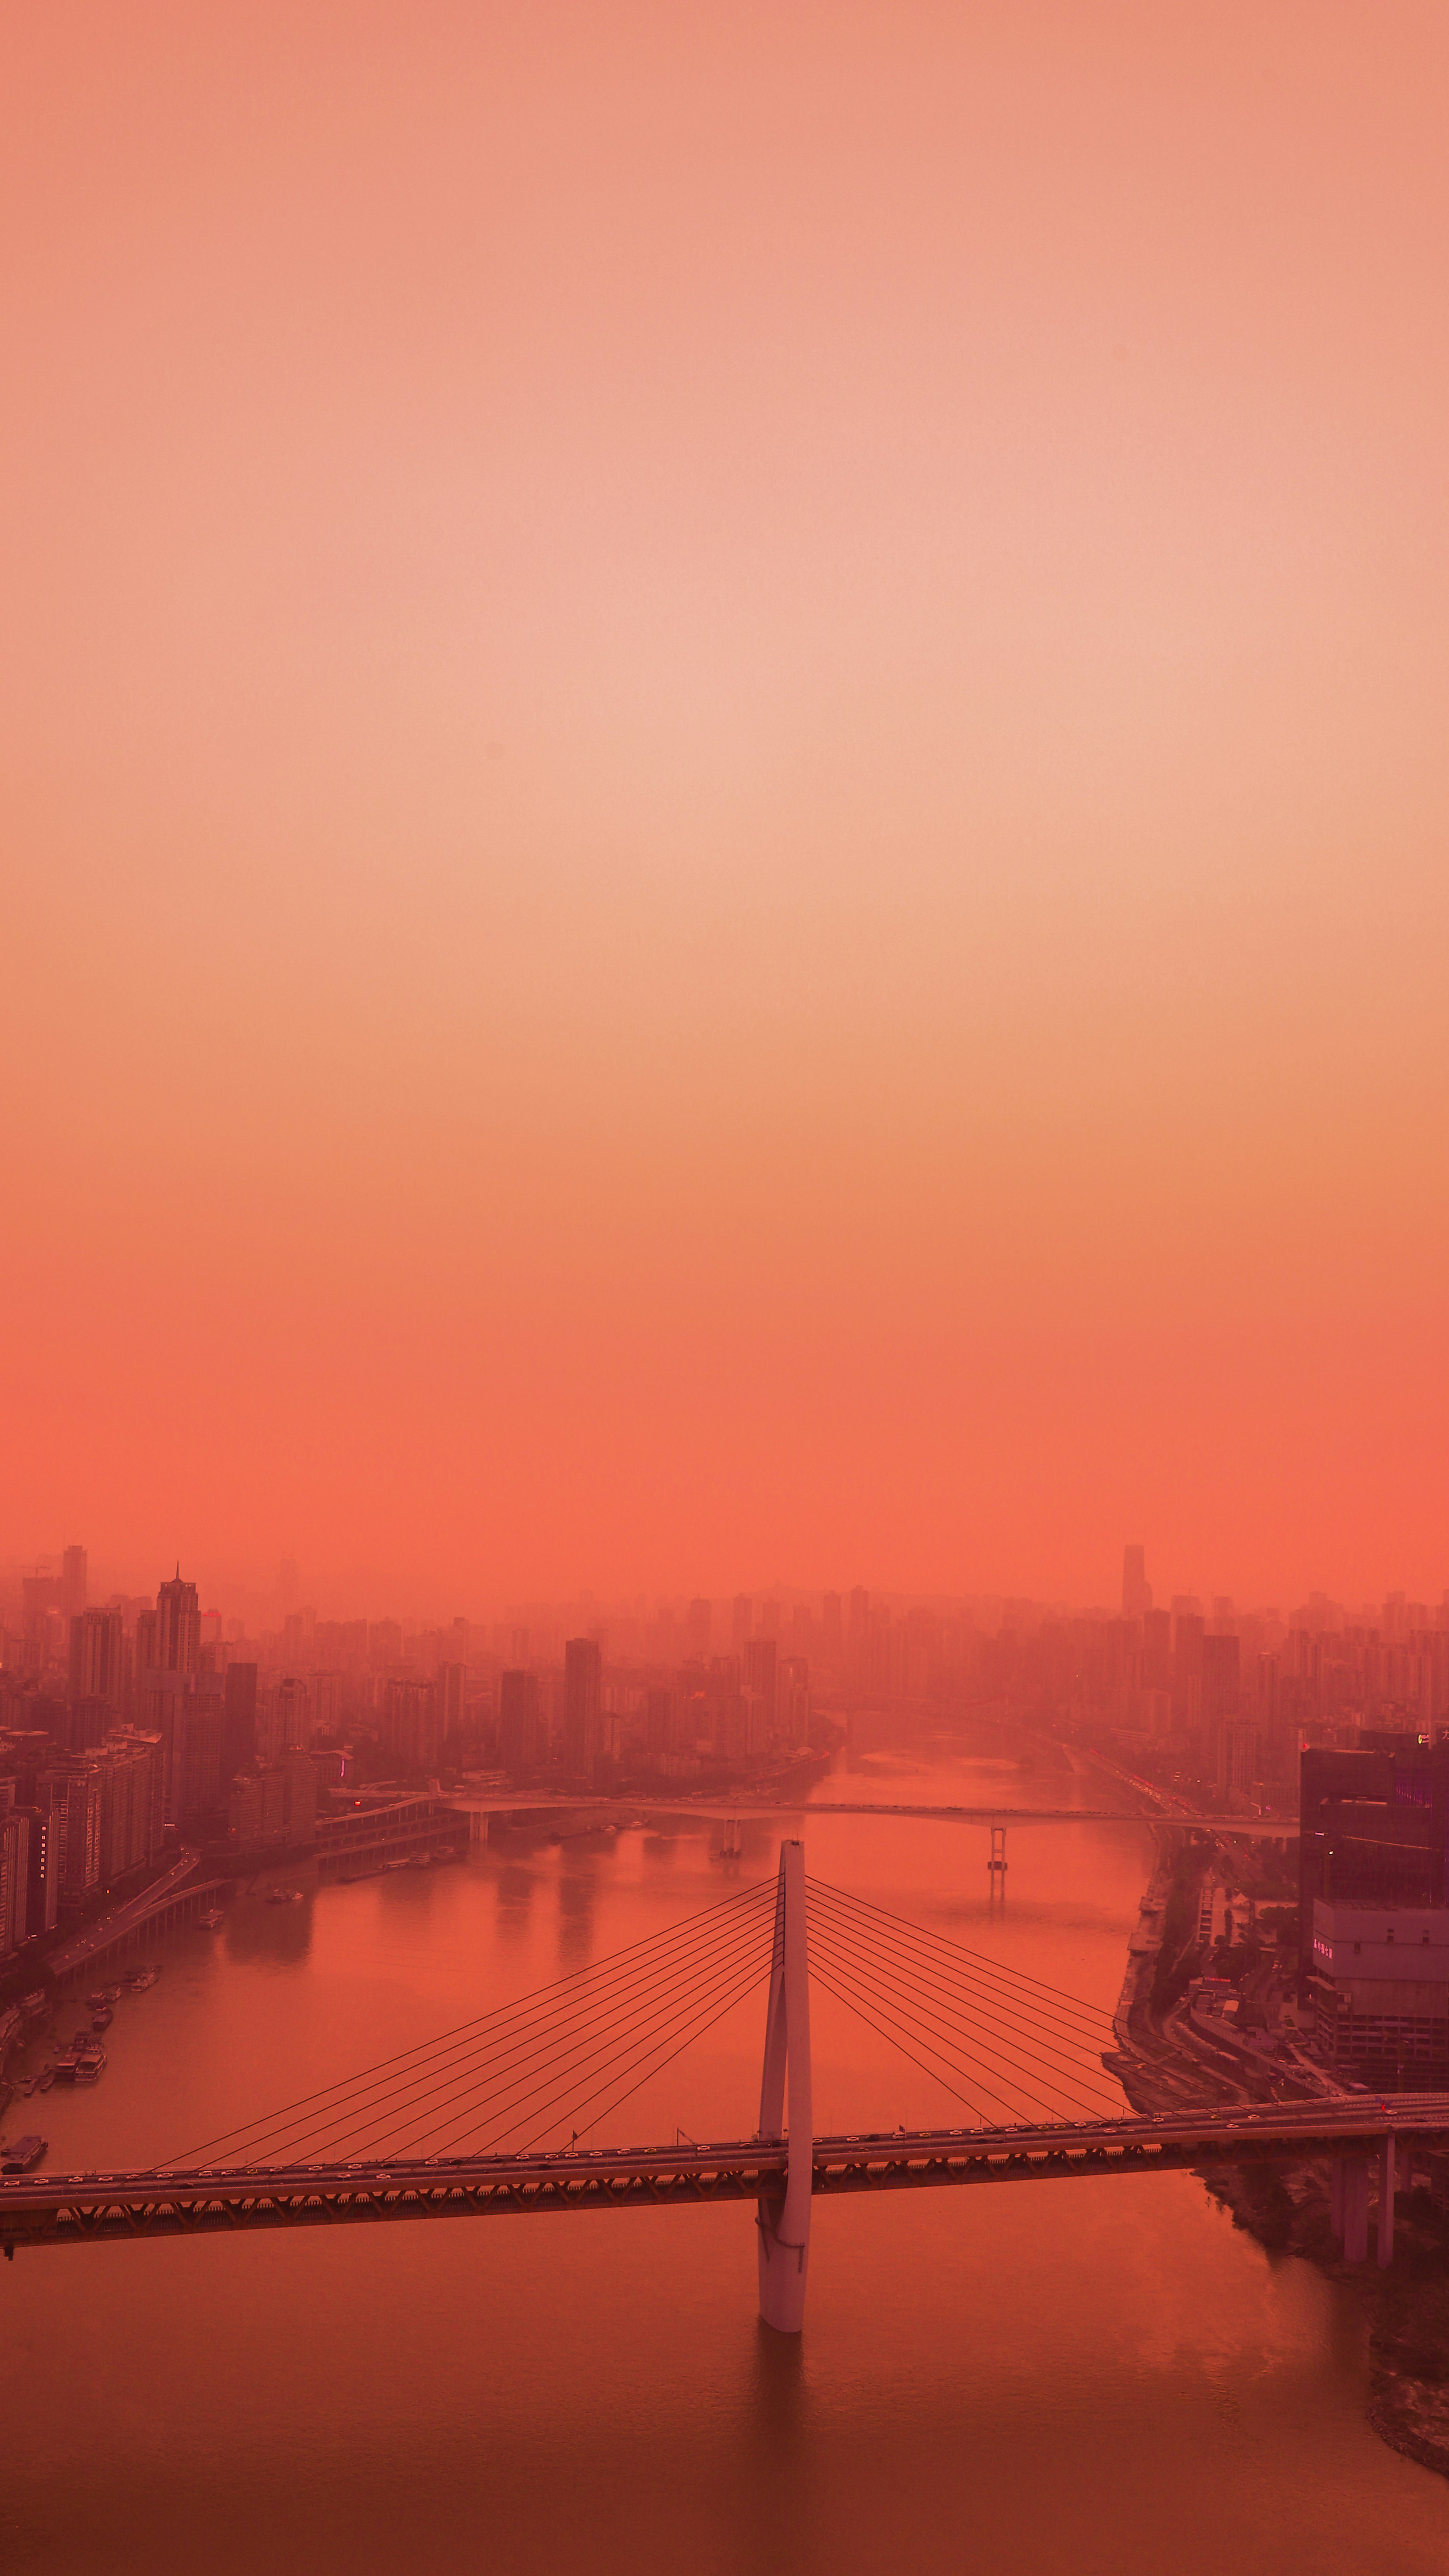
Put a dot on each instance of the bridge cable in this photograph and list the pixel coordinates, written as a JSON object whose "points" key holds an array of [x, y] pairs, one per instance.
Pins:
{"points": [[984, 1966], [468, 2105], [580, 1990], [947, 1959], [1063, 2072], [466, 2079], [1044, 2095], [963, 2022]]}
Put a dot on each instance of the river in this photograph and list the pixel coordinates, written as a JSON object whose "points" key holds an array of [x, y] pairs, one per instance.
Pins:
{"points": [[1106, 2377]]}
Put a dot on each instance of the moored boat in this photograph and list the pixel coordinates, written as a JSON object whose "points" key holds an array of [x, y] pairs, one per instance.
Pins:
{"points": [[22, 2155]]}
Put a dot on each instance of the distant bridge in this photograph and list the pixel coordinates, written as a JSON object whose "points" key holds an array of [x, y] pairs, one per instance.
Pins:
{"points": [[611, 1811]]}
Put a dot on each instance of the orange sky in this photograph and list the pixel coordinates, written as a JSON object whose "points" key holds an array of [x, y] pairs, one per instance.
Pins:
{"points": [[723, 749]]}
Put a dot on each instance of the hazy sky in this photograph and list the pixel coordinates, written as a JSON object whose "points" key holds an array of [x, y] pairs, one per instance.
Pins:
{"points": [[724, 764]]}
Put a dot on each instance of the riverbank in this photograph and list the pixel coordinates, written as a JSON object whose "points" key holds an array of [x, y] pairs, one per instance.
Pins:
{"points": [[1163, 2060]]}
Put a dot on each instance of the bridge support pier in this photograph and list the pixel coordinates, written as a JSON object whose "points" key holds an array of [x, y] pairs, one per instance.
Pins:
{"points": [[783, 2220], [1335, 2198], [1388, 2182], [1355, 2208]]}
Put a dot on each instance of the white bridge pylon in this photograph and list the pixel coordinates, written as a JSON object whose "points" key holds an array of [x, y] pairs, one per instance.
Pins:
{"points": [[783, 2220]]}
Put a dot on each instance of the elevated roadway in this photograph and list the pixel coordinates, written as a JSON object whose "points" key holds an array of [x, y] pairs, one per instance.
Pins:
{"points": [[97, 2208]]}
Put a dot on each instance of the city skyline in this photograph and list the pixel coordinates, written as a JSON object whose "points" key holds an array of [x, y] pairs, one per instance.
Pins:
{"points": [[264, 1603], [723, 1313]]}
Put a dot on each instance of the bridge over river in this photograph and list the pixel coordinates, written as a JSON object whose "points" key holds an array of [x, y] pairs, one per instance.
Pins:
{"points": [[487, 2120]]}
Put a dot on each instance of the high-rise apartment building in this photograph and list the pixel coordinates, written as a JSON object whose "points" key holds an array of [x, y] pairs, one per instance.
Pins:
{"points": [[410, 1725], [292, 1731], [14, 1875], [239, 1720], [760, 1663], [1221, 1677], [520, 1735], [450, 1685], [97, 1657], [583, 1701], [698, 1625], [1187, 1641], [792, 1703], [742, 1621]]}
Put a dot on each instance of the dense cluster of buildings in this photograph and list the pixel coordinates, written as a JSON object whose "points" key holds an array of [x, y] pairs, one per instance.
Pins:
{"points": [[1218, 1702], [124, 1723]]}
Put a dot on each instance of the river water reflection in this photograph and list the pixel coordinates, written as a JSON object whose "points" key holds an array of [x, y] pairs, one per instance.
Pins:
{"points": [[1108, 2377]]}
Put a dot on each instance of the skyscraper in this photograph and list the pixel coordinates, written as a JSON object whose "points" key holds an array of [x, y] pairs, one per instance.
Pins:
{"points": [[239, 1720], [1136, 1590], [760, 1666], [583, 1700], [178, 1627], [519, 1733], [97, 1669], [451, 1679], [73, 1582], [698, 1622]]}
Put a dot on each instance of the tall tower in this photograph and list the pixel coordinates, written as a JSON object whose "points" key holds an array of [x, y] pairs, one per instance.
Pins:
{"points": [[178, 1627], [73, 1582], [1136, 1590]]}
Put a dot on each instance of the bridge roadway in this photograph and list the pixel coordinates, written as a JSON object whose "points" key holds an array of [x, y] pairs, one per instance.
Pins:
{"points": [[90, 2209], [611, 1811]]}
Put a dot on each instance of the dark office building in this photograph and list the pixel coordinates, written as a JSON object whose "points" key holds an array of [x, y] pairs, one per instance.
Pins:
{"points": [[583, 1703], [520, 1736], [239, 1720], [1374, 1828], [1221, 1679]]}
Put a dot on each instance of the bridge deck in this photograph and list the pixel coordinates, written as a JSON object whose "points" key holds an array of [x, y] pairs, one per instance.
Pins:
{"points": [[88, 2209]]}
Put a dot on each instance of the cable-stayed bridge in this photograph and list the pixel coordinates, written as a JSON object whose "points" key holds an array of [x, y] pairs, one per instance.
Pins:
{"points": [[492, 2118]]}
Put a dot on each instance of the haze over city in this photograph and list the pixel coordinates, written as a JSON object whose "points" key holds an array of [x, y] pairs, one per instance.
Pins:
{"points": [[724, 793], [723, 1314]]}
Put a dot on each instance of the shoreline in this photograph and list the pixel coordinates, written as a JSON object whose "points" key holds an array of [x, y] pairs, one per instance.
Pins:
{"points": [[1406, 2307]]}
